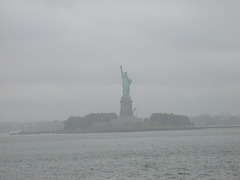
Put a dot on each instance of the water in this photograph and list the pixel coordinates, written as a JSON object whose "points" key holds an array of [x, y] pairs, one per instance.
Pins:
{"points": [[192, 154]]}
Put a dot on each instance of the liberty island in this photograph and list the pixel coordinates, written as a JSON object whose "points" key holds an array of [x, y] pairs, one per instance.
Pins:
{"points": [[111, 122]]}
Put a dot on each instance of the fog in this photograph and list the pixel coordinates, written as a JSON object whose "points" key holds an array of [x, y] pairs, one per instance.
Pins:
{"points": [[62, 58]]}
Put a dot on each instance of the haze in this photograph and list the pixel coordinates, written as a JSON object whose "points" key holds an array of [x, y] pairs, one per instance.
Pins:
{"points": [[62, 58]]}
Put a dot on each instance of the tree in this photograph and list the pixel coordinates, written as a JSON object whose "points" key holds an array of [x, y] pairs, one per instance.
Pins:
{"points": [[165, 119], [74, 123]]}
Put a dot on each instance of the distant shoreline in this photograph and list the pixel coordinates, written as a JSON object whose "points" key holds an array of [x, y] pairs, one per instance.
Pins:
{"points": [[118, 130], [109, 130], [130, 130]]}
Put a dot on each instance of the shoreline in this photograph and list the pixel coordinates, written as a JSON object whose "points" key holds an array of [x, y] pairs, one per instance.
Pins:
{"points": [[119, 130], [110, 130]]}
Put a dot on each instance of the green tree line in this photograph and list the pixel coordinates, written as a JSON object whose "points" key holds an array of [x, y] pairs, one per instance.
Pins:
{"points": [[78, 122], [165, 119]]}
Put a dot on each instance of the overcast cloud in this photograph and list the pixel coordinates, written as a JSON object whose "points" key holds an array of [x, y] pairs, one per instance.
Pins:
{"points": [[62, 58]]}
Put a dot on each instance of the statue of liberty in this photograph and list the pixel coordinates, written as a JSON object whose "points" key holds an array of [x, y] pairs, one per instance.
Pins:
{"points": [[126, 82]]}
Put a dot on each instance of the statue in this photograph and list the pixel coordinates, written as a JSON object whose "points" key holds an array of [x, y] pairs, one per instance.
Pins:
{"points": [[126, 82]]}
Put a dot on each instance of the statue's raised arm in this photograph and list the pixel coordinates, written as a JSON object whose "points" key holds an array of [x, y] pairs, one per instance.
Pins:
{"points": [[121, 70]]}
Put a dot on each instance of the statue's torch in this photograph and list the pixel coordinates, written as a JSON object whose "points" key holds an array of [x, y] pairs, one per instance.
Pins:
{"points": [[121, 69]]}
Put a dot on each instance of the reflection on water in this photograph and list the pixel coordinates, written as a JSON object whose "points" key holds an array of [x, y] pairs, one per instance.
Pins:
{"points": [[193, 154]]}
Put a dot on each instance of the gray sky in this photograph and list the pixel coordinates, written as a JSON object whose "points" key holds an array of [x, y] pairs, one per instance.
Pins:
{"points": [[62, 58]]}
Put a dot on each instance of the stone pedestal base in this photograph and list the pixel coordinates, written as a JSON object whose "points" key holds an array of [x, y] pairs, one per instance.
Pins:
{"points": [[126, 107], [127, 122]]}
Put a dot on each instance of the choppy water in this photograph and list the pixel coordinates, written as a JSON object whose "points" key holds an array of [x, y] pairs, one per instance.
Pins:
{"points": [[192, 154]]}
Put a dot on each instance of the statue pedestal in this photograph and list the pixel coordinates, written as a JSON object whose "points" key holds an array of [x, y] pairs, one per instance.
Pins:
{"points": [[126, 121], [126, 107]]}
